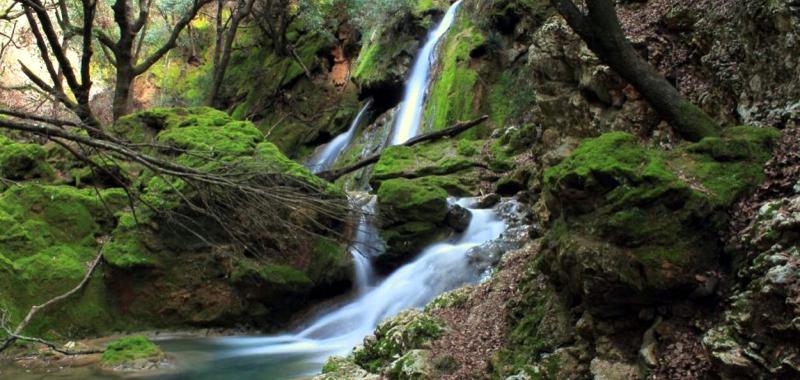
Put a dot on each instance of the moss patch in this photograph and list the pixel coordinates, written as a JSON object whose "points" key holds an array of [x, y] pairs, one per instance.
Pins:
{"points": [[129, 349], [23, 161], [619, 207], [452, 93], [409, 330]]}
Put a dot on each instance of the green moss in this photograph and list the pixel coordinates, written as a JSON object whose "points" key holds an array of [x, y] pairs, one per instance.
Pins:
{"points": [[126, 248], [52, 236], [280, 277], [23, 161], [131, 348], [510, 96], [452, 93], [407, 331], [406, 200], [619, 205], [330, 260], [367, 60], [439, 158], [441, 162]]}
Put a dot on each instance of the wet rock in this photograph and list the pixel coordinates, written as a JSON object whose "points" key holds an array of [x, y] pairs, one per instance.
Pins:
{"points": [[409, 330], [488, 201], [458, 218]]}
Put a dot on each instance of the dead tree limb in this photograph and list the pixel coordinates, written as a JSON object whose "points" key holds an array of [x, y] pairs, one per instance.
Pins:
{"points": [[333, 175], [13, 336]]}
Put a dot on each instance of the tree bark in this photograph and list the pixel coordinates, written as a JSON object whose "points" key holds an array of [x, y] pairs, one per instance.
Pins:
{"points": [[333, 175], [601, 30], [223, 52]]}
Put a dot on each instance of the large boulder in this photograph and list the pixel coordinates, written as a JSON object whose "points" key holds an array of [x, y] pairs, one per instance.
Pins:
{"points": [[632, 225], [19, 161], [412, 214]]}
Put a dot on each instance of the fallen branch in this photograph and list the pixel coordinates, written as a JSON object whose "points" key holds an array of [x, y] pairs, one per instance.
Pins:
{"points": [[13, 336], [332, 175]]}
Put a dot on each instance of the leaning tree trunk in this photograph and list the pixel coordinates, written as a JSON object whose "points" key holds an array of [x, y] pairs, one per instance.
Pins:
{"points": [[601, 31]]}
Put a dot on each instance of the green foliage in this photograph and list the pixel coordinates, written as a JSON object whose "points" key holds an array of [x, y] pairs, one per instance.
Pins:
{"points": [[129, 349]]}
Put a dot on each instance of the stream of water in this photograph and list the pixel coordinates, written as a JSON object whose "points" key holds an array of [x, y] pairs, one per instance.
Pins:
{"points": [[410, 116], [439, 268], [335, 331], [325, 158]]}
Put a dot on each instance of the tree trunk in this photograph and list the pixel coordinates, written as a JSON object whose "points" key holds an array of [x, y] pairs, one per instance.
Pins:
{"points": [[224, 55], [122, 91], [601, 31]]}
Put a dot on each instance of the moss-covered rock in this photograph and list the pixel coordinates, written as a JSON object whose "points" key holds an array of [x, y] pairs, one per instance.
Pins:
{"points": [[20, 161], [452, 95], [617, 208], [412, 215], [49, 234], [396, 336], [130, 349], [457, 162], [388, 51]]}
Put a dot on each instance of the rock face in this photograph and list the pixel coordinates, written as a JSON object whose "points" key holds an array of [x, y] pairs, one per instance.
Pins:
{"points": [[617, 208], [757, 334]]}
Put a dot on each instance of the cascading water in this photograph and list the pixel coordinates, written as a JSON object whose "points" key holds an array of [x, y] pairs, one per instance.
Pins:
{"points": [[410, 116], [327, 157], [439, 268]]}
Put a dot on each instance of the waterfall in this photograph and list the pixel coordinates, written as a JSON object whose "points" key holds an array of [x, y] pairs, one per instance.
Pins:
{"points": [[325, 159], [439, 268], [367, 244], [410, 116]]}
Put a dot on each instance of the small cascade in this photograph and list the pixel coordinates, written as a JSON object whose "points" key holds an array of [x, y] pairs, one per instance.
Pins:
{"points": [[440, 267], [410, 116], [367, 244], [325, 159]]}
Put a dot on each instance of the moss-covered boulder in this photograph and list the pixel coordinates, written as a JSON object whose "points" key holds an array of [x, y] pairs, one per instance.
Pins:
{"points": [[133, 353], [395, 337], [157, 258], [456, 162], [635, 225], [412, 215], [48, 235], [19, 161]]}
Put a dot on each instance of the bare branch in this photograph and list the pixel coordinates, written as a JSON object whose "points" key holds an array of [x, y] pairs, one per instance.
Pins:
{"points": [[15, 335]]}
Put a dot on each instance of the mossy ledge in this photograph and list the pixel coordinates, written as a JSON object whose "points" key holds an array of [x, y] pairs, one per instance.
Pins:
{"points": [[617, 207]]}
